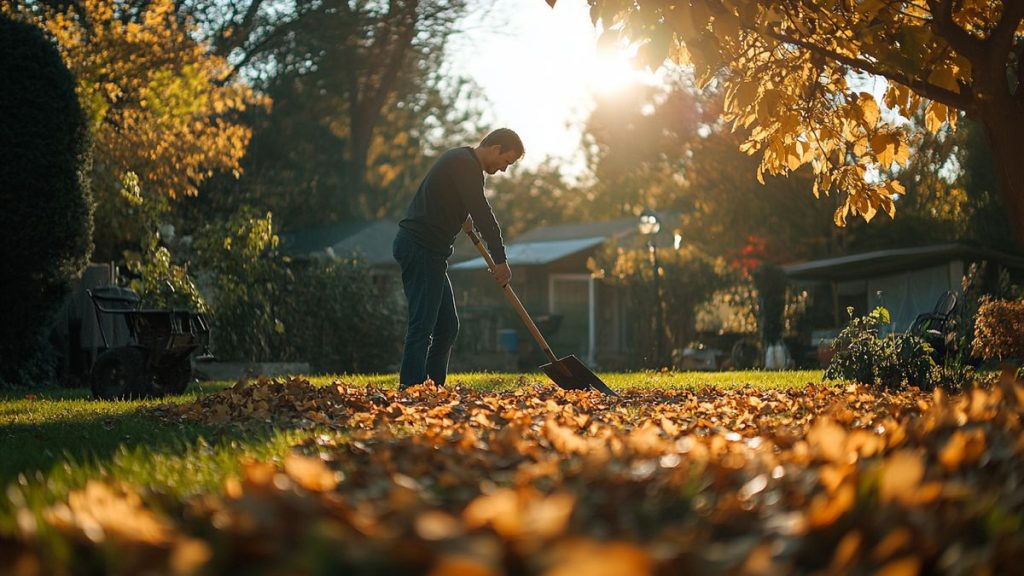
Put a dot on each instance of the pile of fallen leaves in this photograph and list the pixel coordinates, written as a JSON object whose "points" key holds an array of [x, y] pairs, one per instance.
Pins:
{"points": [[453, 481]]}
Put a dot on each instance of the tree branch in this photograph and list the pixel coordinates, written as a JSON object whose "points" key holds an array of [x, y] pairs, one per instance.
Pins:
{"points": [[942, 15], [252, 51], [963, 100], [1018, 93], [395, 54], [239, 33], [1002, 35]]}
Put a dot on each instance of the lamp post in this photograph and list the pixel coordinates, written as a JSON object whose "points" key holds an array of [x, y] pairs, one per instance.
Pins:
{"points": [[649, 226]]}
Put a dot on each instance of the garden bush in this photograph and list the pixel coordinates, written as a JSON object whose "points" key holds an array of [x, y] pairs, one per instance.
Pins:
{"points": [[241, 274], [46, 214], [266, 307], [160, 281], [999, 330], [890, 362], [335, 317]]}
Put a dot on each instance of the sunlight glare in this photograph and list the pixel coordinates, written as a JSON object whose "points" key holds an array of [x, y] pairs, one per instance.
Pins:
{"points": [[610, 71]]}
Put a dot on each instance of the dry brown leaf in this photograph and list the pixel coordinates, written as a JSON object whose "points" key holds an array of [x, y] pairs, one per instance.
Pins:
{"points": [[310, 473], [437, 525], [827, 440], [600, 559], [453, 565], [908, 566], [902, 473], [101, 512]]}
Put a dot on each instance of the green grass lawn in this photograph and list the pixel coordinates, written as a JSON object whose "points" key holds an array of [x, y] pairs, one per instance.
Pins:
{"points": [[54, 440], [617, 380]]}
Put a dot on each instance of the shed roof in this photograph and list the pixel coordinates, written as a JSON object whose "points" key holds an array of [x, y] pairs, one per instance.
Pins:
{"points": [[536, 253], [370, 241], [574, 231], [880, 262]]}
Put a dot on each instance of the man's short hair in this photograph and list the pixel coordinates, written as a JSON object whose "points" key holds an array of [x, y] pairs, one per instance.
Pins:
{"points": [[506, 138]]}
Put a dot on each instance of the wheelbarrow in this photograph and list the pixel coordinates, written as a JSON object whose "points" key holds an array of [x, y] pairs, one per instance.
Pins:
{"points": [[156, 360], [568, 373]]}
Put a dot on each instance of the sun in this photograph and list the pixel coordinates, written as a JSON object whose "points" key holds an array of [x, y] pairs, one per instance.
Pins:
{"points": [[611, 71]]}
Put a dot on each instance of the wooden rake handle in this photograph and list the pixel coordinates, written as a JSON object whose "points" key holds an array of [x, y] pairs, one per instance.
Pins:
{"points": [[512, 298]]}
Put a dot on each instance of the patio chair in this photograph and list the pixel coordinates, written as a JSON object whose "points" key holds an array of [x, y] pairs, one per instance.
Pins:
{"points": [[939, 318], [937, 327]]}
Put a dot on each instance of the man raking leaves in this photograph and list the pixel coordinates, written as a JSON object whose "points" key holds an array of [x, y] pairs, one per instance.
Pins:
{"points": [[450, 198]]}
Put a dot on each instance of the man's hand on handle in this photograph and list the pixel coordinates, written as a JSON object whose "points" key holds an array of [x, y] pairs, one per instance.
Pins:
{"points": [[502, 274]]}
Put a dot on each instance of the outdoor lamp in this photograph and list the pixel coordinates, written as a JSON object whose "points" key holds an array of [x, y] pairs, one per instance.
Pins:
{"points": [[649, 226], [649, 223]]}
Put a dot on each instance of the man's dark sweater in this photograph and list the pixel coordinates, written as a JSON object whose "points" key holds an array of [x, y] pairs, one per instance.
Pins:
{"points": [[453, 189]]}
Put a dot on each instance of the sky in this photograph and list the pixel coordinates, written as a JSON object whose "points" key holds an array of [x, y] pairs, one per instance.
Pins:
{"points": [[539, 67]]}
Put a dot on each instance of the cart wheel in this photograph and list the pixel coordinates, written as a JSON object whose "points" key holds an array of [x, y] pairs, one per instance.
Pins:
{"points": [[173, 378], [118, 373]]}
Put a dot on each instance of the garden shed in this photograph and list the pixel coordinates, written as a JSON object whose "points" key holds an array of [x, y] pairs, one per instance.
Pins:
{"points": [[907, 281]]}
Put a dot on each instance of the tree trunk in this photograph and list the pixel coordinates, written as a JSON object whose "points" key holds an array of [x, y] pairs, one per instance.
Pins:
{"points": [[1004, 136], [359, 149], [392, 45]]}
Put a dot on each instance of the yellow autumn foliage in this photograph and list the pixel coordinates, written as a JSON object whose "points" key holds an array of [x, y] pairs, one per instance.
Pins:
{"points": [[160, 104], [801, 78]]}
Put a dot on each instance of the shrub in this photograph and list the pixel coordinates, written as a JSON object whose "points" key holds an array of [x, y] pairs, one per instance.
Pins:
{"points": [[161, 283], [999, 330], [46, 214], [891, 362], [267, 308], [245, 273], [158, 280], [337, 319]]}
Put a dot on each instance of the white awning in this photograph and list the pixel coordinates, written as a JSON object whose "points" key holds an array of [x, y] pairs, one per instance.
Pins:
{"points": [[535, 253]]}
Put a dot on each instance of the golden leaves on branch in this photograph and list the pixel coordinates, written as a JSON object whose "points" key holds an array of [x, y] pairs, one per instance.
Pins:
{"points": [[869, 110], [785, 70], [158, 101]]}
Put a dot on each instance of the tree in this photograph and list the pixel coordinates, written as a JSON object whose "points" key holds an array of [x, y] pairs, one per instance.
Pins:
{"points": [[790, 74], [637, 144], [361, 98], [295, 165], [951, 195], [529, 197], [47, 210], [158, 102], [689, 279], [669, 148], [666, 148]]}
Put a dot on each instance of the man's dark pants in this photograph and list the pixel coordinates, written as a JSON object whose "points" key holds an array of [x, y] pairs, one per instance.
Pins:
{"points": [[433, 321]]}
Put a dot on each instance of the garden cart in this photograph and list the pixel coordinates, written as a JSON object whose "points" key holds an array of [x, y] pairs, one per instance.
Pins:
{"points": [[157, 357]]}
